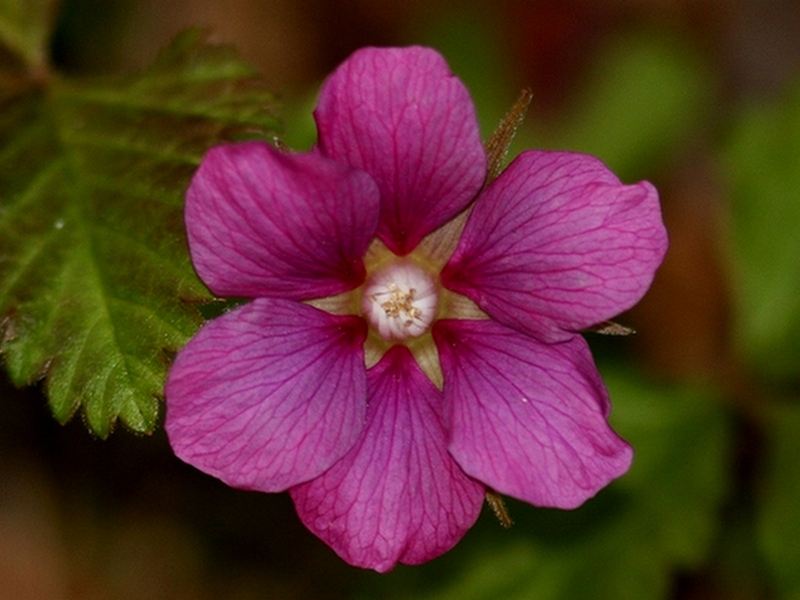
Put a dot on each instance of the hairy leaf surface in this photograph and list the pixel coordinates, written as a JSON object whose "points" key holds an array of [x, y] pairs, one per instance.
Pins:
{"points": [[96, 285]]}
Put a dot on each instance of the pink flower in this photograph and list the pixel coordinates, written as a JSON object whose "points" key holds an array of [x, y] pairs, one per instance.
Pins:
{"points": [[383, 375]]}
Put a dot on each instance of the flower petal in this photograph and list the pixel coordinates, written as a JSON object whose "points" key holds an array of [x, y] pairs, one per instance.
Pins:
{"points": [[262, 223], [557, 244], [528, 419], [397, 496], [402, 116], [268, 395]]}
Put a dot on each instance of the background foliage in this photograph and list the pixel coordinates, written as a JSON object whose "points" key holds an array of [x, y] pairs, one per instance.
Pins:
{"points": [[96, 292]]}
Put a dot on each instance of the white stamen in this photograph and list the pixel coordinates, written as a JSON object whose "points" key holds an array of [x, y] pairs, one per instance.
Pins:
{"points": [[400, 301]]}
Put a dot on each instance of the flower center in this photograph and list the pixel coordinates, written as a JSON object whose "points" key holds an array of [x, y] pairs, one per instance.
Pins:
{"points": [[400, 301]]}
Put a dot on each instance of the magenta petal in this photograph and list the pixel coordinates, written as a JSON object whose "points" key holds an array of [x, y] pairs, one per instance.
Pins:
{"points": [[557, 244], [402, 116], [262, 223], [526, 418], [268, 395], [397, 496]]}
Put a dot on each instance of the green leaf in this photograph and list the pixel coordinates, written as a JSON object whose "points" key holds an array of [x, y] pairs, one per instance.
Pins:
{"points": [[778, 520], [762, 160], [96, 284], [25, 27]]}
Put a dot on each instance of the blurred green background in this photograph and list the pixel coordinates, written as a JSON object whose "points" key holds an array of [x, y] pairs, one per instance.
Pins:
{"points": [[702, 99]]}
